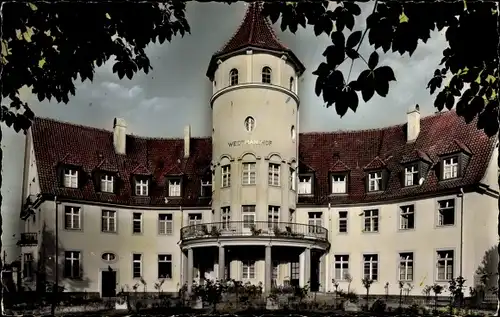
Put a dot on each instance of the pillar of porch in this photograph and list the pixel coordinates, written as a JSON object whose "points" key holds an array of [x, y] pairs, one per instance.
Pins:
{"points": [[307, 266], [222, 262], [184, 266], [323, 282], [268, 270], [190, 263]]}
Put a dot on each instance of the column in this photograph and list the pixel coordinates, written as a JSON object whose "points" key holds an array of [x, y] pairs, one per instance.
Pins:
{"points": [[268, 264], [184, 265], [222, 262], [307, 266], [249, 78], [190, 263], [323, 282]]}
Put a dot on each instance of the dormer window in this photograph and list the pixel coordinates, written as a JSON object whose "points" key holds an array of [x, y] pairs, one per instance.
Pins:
{"points": [[339, 184], [450, 167], [107, 183], [411, 175], [174, 187], [375, 181], [233, 77], [305, 185], [70, 178], [206, 188], [266, 75], [141, 187]]}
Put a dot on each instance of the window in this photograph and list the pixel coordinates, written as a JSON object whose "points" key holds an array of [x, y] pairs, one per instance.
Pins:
{"points": [[273, 216], [249, 124], [164, 266], [206, 188], [371, 220], [136, 265], [174, 187], [275, 272], [341, 267], [291, 83], [108, 257], [411, 175], [226, 176], [450, 168], [72, 218], [305, 185], [225, 217], [315, 222], [248, 215], [70, 178], [248, 174], [266, 75], [194, 219], [292, 179], [374, 181], [294, 273], [370, 266], [343, 222], [293, 134], [406, 266], [233, 77], [339, 184], [107, 182], [137, 222], [108, 223], [28, 265], [165, 224], [407, 217], [248, 269], [446, 216], [445, 265], [141, 187], [274, 174], [72, 264]]}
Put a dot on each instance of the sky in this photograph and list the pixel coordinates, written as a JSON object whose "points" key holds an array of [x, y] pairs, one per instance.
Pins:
{"points": [[177, 92]]}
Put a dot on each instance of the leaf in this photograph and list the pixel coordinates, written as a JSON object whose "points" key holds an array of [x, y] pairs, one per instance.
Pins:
{"points": [[322, 70], [440, 100], [366, 82], [373, 60], [318, 87], [349, 20], [338, 39], [450, 101], [352, 53], [384, 72], [32, 6], [353, 39], [108, 16], [403, 18], [490, 79], [318, 29], [352, 7]]}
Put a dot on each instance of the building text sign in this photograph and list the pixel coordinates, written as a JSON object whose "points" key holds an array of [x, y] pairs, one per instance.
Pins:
{"points": [[249, 142]]}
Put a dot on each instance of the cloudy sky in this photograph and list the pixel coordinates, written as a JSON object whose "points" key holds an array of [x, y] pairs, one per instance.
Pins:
{"points": [[176, 92]]}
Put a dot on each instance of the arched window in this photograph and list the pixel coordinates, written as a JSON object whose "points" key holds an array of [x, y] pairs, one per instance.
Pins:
{"points": [[249, 124], [233, 77], [266, 75], [291, 84]]}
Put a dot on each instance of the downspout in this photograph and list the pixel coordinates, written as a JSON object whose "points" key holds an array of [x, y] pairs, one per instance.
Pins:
{"points": [[460, 268], [327, 255]]}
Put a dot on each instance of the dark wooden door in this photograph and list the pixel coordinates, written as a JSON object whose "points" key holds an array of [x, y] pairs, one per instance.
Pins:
{"points": [[108, 285]]}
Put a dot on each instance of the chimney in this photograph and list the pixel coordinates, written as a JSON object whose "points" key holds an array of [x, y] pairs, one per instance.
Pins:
{"points": [[119, 135], [413, 124], [187, 139]]}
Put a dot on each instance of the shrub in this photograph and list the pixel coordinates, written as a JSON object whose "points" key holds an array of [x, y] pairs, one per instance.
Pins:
{"points": [[378, 307]]}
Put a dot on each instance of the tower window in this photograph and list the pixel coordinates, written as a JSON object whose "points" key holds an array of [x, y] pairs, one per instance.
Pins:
{"points": [[249, 124], [293, 134], [233, 77], [266, 75], [291, 84]]}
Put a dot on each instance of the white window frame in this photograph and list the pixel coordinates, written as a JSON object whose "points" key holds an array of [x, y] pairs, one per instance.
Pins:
{"points": [[134, 220], [339, 184], [233, 77], [226, 176], [249, 173], [405, 212], [374, 181], [305, 185], [206, 188], [410, 178], [70, 178], [174, 187], [293, 179], [248, 215], [273, 216], [249, 123], [74, 256], [274, 174], [444, 261], [108, 221], [343, 221], [450, 167], [28, 268], [225, 217], [370, 261], [267, 75], [195, 219], [75, 216], [406, 267], [165, 258], [371, 220], [142, 187], [248, 269], [341, 266], [107, 183], [136, 260], [445, 206], [165, 224], [315, 222]]}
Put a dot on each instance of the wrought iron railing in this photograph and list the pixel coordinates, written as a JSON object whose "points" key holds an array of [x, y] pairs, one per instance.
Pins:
{"points": [[257, 228], [28, 239]]}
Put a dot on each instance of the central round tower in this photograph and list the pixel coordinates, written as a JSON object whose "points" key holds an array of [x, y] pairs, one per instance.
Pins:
{"points": [[255, 114]]}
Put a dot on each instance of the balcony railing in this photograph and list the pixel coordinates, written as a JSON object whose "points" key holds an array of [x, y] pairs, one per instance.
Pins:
{"points": [[256, 229], [28, 239]]}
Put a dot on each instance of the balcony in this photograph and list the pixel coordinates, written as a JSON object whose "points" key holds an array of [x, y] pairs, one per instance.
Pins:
{"points": [[257, 229], [28, 239]]}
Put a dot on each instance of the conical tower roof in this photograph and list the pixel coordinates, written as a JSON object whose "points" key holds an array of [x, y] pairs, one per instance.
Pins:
{"points": [[255, 32]]}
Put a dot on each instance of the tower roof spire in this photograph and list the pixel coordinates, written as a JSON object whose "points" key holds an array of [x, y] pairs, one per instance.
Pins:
{"points": [[255, 32]]}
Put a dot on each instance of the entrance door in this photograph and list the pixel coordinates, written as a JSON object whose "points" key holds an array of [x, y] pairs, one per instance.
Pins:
{"points": [[314, 286], [108, 283]]}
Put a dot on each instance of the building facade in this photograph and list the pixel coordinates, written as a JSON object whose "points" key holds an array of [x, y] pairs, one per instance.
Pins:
{"points": [[258, 201]]}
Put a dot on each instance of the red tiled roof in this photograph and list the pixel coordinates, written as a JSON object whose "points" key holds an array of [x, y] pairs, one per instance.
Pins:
{"points": [[320, 153], [256, 32]]}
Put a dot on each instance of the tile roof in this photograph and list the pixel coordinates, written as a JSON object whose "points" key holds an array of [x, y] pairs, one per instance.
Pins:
{"points": [[320, 153], [255, 31]]}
